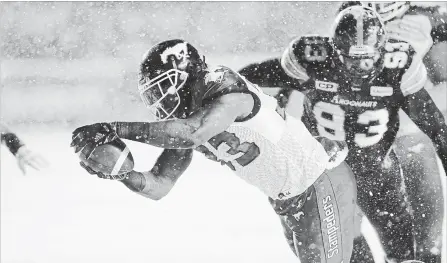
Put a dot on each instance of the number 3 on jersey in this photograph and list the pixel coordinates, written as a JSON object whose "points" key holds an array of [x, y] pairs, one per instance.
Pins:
{"points": [[227, 149], [331, 118]]}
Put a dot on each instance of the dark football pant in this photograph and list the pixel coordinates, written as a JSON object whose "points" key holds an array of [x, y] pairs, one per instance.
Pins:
{"points": [[319, 224], [382, 198], [421, 172], [424, 193], [405, 207]]}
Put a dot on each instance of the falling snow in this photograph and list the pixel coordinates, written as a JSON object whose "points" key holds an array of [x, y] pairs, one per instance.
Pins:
{"points": [[70, 63]]}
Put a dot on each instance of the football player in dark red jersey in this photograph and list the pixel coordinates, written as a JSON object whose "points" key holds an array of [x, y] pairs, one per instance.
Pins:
{"points": [[25, 157], [355, 82], [219, 113]]}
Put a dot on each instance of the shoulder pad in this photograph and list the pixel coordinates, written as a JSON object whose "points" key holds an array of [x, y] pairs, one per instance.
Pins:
{"points": [[222, 80], [313, 48], [305, 51], [399, 64], [398, 55], [414, 78]]}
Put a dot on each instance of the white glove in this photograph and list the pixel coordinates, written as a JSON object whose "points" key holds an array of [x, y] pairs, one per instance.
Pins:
{"points": [[26, 157]]}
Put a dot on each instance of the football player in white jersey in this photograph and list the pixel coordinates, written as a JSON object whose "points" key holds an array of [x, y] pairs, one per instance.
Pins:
{"points": [[220, 114], [25, 157]]}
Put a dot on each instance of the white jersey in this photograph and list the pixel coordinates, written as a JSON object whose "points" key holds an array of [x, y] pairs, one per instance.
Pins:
{"points": [[277, 155]]}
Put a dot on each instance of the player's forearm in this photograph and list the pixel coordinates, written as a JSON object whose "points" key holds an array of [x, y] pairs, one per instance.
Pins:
{"points": [[159, 181], [269, 73], [426, 115], [167, 134], [148, 185], [439, 138], [440, 142], [172, 163]]}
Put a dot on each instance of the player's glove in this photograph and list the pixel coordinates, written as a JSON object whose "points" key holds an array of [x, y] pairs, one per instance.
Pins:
{"points": [[27, 158], [97, 134], [118, 177]]}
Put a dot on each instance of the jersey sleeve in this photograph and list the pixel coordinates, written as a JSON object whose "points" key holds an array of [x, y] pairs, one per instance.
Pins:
{"points": [[401, 64], [414, 78], [221, 80], [305, 55], [291, 64], [269, 73]]}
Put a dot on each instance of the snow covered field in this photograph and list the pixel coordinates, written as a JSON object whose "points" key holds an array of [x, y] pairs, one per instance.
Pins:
{"points": [[65, 215]]}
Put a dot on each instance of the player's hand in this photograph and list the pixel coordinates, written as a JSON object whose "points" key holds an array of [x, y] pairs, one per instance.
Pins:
{"points": [[103, 176], [337, 151], [97, 134], [27, 158], [413, 29]]}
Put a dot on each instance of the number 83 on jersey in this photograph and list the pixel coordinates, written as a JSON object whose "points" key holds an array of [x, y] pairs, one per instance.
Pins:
{"points": [[331, 123]]}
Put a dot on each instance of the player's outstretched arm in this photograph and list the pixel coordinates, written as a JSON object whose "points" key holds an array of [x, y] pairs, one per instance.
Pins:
{"points": [[198, 128], [157, 183], [420, 107], [269, 73], [25, 157], [189, 133]]}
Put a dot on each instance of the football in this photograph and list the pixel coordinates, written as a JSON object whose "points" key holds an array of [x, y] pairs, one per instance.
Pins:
{"points": [[113, 158]]}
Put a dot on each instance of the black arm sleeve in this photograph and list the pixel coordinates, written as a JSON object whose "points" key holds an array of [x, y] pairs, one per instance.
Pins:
{"points": [[425, 114], [170, 164], [269, 73], [10, 139]]}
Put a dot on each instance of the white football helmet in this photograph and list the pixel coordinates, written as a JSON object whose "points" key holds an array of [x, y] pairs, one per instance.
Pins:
{"points": [[388, 10]]}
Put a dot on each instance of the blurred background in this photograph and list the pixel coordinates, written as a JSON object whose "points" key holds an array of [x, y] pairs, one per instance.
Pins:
{"points": [[71, 62]]}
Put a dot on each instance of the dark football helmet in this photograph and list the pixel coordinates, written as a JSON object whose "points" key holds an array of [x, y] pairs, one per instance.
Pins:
{"points": [[359, 39], [165, 70]]}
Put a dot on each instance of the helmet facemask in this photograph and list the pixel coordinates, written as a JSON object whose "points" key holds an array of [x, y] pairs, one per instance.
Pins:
{"points": [[361, 62], [359, 38], [389, 10], [161, 94]]}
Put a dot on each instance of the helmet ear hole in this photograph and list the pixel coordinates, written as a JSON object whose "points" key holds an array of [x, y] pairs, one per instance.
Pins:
{"points": [[172, 59]]}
